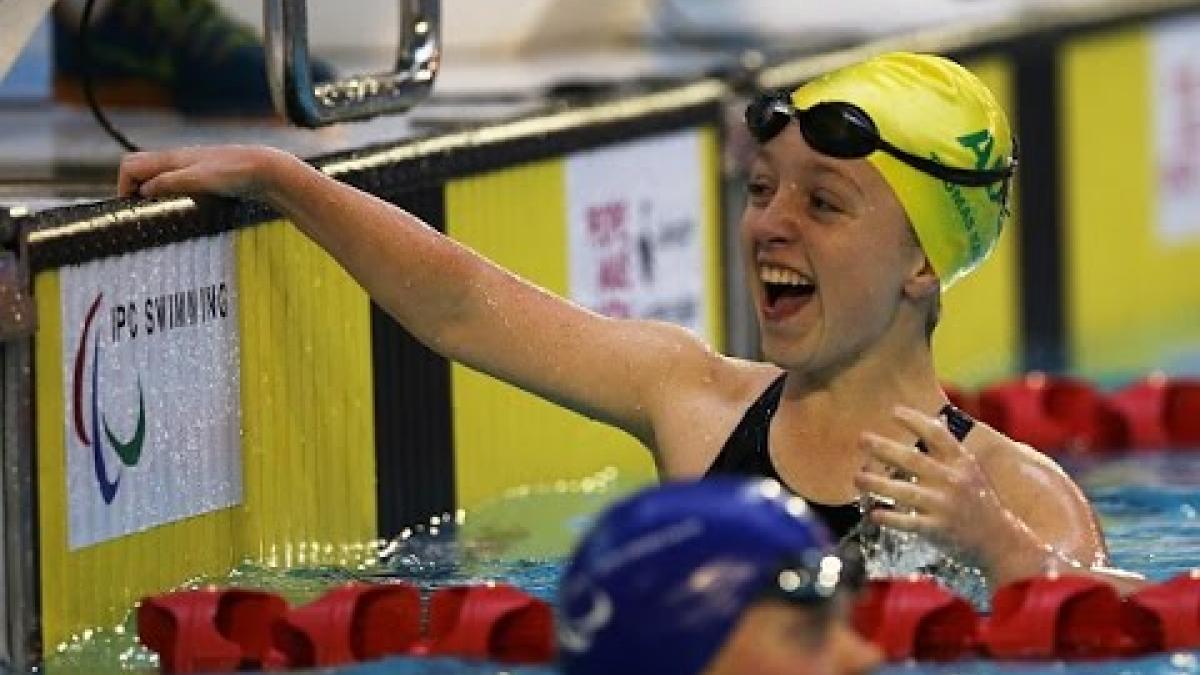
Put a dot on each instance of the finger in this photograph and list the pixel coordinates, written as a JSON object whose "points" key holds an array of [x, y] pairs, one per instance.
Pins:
{"points": [[874, 465], [140, 167], [183, 181], [904, 494], [903, 457], [938, 439], [133, 170], [878, 468], [127, 183], [906, 521]]}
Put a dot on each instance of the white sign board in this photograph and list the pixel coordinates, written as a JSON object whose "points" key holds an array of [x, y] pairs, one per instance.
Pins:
{"points": [[635, 214], [1176, 102], [152, 388]]}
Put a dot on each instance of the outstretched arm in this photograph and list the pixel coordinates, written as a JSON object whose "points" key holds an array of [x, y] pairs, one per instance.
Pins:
{"points": [[450, 298]]}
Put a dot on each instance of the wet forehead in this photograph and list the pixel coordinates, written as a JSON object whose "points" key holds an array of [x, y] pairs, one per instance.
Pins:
{"points": [[792, 158]]}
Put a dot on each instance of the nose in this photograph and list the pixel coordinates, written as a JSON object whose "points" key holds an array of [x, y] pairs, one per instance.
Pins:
{"points": [[853, 654], [776, 223]]}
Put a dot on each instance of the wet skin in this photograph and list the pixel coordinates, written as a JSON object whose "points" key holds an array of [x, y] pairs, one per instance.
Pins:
{"points": [[855, 350]]}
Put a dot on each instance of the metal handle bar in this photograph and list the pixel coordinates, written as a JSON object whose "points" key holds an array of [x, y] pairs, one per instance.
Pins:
{"points": [[306, 104]]}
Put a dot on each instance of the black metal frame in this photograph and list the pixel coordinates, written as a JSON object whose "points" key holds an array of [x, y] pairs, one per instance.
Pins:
{"points": [[414, 432], [77, 234]]}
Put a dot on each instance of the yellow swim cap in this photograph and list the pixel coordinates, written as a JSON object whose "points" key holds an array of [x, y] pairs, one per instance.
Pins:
{"points": [[935, 108]]}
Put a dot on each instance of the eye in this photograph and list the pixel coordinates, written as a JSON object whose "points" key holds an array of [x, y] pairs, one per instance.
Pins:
{"points": [[759, 190], [823, 203]]}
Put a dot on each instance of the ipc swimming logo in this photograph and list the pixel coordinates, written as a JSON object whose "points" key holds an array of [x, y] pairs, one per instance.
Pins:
{"points": [[128, 452]]}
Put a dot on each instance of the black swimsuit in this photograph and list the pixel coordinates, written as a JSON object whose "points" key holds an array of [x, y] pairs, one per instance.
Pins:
{"points": [[747, 453]]}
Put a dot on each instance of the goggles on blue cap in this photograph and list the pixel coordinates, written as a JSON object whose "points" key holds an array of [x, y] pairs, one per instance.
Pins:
{"points": [[662, 578], [796, 583]]}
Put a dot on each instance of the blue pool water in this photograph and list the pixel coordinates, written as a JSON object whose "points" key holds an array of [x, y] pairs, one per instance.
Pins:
{"points": [[1149, 504]]}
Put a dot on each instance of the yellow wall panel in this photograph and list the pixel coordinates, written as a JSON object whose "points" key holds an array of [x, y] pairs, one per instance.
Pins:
{"points": [[978, 339], [308, 413], [714, 264], [308, 443], [504, 437], [1134, 301]]}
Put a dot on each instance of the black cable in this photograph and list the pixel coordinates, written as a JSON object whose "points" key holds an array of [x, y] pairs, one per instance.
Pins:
{"points": [[89, 91]]}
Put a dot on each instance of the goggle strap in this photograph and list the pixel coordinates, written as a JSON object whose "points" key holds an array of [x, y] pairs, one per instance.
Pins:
{"points": [[951, 174]]}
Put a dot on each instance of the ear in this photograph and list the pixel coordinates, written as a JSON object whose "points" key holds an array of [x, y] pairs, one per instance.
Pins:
{"points": [[922, 281]]}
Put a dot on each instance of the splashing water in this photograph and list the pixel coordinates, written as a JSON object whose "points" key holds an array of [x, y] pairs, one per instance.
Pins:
{"points": [[888, 552], [892, 553]]}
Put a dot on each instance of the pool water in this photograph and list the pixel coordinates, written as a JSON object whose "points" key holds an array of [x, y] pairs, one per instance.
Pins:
{"points": [[1149, 504]]}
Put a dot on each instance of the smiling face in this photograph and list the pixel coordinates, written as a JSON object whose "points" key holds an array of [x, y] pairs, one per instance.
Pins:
{"points": [[833, 266]]}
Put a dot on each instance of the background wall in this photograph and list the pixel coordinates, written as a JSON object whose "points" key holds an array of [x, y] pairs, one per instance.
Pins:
{"points": [[978, 339], [1131, 124]]}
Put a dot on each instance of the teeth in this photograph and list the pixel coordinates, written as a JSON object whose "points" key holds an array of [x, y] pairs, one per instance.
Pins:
{"points": [[770, 274]]}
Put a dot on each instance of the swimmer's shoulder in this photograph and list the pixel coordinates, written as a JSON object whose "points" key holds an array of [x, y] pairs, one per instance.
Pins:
{"points": [[999, 454], [695, 369], [709, 396], [1029, 482], [732, 382], [1039, 492]]}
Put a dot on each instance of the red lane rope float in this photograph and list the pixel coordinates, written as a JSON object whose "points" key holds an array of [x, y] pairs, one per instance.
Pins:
{"points": [[357, 622], [234, 629], [1042, 618], [1181, 413], [1051, 413], [1048, 617], [498, 623], [209, 630], [1018, 409], [1166, 617], [1058, 414], [1140, 408], [916, 619], [1159, 413]]}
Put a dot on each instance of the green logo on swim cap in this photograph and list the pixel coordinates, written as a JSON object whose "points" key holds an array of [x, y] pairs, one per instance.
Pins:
{"points": [[982, 143]]}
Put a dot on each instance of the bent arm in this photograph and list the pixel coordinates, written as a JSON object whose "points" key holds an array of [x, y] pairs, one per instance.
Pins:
{"points": [[450, 298], [1053, 526], [1002, 504]]}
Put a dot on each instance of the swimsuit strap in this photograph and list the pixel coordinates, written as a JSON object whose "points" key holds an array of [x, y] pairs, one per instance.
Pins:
{"points": [[958, 422]]}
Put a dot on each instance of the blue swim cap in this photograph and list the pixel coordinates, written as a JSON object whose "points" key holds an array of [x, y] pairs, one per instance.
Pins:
{"points": [[661, 579]]}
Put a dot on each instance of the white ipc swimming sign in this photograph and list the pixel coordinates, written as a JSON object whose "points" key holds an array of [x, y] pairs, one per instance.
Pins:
{"points": [[637, 244], [1176, 97], [152, 388]]}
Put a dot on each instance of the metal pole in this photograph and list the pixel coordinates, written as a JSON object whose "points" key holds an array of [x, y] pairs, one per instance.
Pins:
{"points": [[20, 639]]}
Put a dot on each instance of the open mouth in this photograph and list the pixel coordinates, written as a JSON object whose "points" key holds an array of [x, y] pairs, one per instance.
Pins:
{"points": [[786, 291]]}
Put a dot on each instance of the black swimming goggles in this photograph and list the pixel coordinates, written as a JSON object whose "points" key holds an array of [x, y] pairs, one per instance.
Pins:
{"points": [[845, 131], [796, 583]]}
